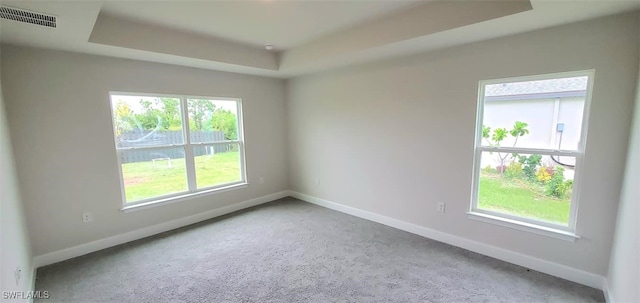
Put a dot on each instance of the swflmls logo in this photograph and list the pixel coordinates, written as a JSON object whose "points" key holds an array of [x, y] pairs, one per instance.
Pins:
{"points": [[13, 295]]}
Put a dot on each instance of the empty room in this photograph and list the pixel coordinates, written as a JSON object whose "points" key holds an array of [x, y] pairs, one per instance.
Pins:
{"points": [[320, 151]]}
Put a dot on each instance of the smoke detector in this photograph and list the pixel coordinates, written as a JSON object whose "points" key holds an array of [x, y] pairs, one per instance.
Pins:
{"points": [[268, 46], [25, 16]]}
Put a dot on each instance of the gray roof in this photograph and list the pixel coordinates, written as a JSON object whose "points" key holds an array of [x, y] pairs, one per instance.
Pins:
{"points": [[537, 87]]}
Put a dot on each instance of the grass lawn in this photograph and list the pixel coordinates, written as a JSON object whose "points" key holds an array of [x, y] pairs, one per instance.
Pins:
{"points": [[520, 198], [143, 181]]}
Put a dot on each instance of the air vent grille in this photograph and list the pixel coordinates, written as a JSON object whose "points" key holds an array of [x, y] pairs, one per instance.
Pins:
{"points": [[27, 16]]}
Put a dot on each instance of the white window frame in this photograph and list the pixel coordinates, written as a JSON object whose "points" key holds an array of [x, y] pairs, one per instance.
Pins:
{"points": [[192, 189], [567, 232]]}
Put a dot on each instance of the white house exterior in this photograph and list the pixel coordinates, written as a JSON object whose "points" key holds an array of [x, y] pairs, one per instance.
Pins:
{"points": [[553, 110]]}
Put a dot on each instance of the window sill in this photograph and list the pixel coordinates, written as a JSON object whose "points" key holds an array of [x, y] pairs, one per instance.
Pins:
{"points": [[180, 198], [524, 226]]}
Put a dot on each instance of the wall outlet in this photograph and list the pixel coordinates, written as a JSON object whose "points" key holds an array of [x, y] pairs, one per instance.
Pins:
{"points": [[441, 207], [261, 180], [317, 181], [17, 273], [87, 217]]}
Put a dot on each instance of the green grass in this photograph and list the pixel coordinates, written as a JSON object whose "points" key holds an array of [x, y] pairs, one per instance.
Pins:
{"points": [[521, 198], [143, 181]]}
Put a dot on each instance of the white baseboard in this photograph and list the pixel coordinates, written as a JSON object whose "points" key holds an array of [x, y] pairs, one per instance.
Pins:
{"points": [[83, 249], [547, 267]]}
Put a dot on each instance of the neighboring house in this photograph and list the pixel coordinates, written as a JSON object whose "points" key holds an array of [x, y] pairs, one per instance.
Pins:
{"points": [[553, 110]]}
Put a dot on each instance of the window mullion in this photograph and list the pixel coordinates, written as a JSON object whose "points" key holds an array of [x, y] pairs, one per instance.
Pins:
{"points": [[188, 150], [124, 149], [243, 160], [549, 152], [216, 142]]}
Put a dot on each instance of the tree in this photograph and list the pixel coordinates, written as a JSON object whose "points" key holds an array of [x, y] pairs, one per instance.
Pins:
{"points": [[519, 130], [199, 109], [225, 121], [171, 113], [499, 134], [124, 120], [162, 112]]}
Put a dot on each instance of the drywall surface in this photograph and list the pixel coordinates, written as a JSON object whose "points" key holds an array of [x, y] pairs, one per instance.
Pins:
{"points": [[624, 270], [15, 251], [419, 21], [121, 32], [59, 114], [396, 137]]}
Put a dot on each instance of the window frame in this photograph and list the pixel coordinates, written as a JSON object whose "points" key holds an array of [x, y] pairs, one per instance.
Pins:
{"points": [[190, 170], [524, 223]]}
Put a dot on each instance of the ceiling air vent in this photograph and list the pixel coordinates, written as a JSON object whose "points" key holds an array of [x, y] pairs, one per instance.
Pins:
{"points": [[21, 15]]}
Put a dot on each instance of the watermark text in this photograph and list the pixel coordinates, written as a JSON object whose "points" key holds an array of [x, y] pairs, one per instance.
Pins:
{"points": [[22, 295]]}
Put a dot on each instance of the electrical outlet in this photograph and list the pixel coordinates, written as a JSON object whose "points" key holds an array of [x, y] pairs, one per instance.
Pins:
{"points": [[317, 181], [261, 180], [441, 207], [87, 217], [17, 274]]}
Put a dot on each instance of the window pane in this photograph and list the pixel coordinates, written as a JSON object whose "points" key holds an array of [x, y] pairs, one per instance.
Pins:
{"points": [[153, 172], [146, 121], [535, 114], [532, 186], [212, 120], [217, 164]]}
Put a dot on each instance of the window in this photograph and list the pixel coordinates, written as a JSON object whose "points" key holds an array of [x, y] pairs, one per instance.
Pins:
{"points": [[529, 145], [172, 146]]}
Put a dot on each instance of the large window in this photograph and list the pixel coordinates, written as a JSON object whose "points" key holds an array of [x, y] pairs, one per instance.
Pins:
{"points": [[529, 145], [171, 146]]}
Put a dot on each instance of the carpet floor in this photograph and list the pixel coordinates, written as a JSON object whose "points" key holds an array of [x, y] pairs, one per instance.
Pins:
{"points": [[291, 251]]}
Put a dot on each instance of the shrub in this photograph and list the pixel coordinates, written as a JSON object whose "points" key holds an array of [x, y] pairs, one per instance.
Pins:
{"points": [[543, 175], [565, 188], [514, 170], [557, 186], [530, 165], [488, 169]]}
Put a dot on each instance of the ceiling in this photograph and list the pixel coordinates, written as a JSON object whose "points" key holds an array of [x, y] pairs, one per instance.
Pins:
{"points": [[285, 24], [308, 36]]}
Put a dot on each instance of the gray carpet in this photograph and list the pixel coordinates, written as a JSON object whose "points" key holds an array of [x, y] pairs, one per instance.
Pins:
{"points": [[291, 251]]}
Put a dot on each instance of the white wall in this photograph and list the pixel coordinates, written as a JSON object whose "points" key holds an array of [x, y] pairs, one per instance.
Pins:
{"points": [[369, 133], [58, 109], [15, 251], [624, 270]]}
